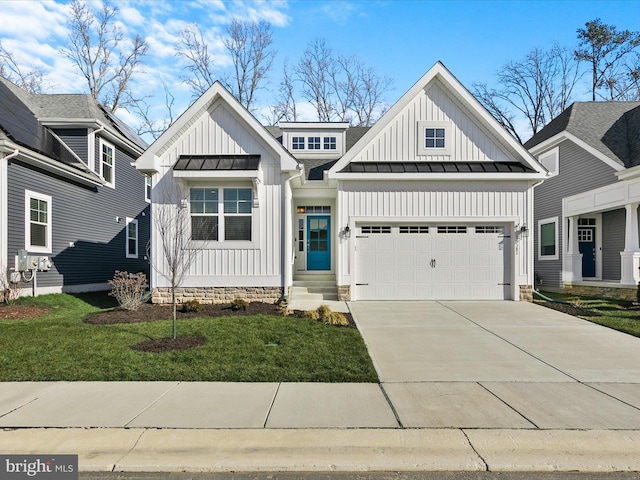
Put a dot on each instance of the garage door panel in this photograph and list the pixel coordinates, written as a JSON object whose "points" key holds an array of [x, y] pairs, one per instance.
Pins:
{"points": [[433, 265]]}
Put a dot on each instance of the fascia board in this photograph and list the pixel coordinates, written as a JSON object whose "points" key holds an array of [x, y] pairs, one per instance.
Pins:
{"points": [[217, 174], [216, 91], [450, 81], [50, 165], [562, 136], [438, 176]]}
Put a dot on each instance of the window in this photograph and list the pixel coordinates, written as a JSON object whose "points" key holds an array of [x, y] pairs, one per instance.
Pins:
{"points": [[37, 222], [434, 138], [313, 143], [414, 229], [147, 188], [297, 143], [549, 160], [452, 229], [204, 213], [132, 238], [489, 229], [107, 162], [237, 213], [329, 143], [375, 229], [548, 239], [221, 214], [313, 209]]}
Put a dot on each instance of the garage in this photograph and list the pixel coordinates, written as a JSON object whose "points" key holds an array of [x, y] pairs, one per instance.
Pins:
{"points": [[432, 262]]}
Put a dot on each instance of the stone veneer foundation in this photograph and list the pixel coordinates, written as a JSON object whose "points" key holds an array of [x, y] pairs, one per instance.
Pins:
{"points": [[526, 293], [206, 295], [344, 293]]}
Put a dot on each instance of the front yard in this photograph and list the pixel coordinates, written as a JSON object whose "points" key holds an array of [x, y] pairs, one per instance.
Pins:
{"points": [[253, 348], [620, 315]]}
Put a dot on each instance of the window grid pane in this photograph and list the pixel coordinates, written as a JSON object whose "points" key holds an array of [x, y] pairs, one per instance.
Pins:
{"points": [[548, 239], [314, 143]]}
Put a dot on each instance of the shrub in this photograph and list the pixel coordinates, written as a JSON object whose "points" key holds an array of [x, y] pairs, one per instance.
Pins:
{"points": [[325, 315], [129, 289], [191, 306], [312, 314], [239, 304]]}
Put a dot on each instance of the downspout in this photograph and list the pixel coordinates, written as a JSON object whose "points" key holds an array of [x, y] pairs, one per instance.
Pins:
{"points": [[288, 231]]}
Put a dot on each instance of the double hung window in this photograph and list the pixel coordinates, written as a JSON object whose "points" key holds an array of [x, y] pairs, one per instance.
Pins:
{"points": [[221, 214]]}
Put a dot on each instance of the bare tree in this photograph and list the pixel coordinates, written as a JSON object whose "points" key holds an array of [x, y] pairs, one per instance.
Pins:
{"points": [[148, 124], [285, 109], [30, 78], [605, 48], [249, 45], [106, 58], [177, 250], [340, 88], [193, 47], [536, 89]]}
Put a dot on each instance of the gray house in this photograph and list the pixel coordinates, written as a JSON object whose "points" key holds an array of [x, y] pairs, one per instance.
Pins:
{"points": [[586, 213], [69, 195]]}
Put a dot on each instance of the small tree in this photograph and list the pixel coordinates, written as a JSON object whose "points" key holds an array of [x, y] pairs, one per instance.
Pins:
{"points": [[30, 79], [176, 250]]}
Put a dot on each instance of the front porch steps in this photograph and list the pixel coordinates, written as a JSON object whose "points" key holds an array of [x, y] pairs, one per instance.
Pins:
{"points": [[314, 287]]}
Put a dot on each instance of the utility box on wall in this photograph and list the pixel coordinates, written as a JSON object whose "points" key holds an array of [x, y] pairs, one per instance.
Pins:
{"points": [[25, 262]]}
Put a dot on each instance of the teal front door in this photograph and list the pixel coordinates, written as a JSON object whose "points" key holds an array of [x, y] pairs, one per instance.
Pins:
{"points": [[318, 243]]}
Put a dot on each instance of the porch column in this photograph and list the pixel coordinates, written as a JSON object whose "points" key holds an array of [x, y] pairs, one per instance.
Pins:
{"points": [[573, 257], [630, 264]]}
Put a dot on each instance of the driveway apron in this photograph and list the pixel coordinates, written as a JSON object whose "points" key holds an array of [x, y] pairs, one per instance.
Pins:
{"points": [[500, 365]]}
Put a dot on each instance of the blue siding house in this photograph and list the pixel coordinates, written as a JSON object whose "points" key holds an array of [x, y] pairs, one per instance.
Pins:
{"points": [[68, 192], [586, 213]]}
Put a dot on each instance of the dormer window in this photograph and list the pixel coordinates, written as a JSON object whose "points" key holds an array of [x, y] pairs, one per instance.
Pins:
{"points": [[434, 138], [329, 143], [314, 143], [297, 143]]}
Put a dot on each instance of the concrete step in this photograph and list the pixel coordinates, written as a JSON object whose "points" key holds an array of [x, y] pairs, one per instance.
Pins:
{"points": [[312, 293], [328, 277]]}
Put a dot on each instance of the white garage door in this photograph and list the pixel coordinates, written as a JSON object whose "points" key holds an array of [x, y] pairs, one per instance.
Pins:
{"points": [[432, 262]]}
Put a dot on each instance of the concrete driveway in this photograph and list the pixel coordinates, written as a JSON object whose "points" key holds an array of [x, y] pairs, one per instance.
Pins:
{"points": [[501, 365]]}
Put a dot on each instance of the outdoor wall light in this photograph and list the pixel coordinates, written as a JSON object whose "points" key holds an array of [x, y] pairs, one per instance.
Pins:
{"points": [[347, 232], [524, 231]]}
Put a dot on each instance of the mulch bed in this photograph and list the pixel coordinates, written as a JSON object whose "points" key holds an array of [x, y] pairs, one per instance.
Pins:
{"points": [[160, 345], [570, 309]]}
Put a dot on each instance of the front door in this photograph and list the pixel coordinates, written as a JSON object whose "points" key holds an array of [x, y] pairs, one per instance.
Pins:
{"points": [[587, 245], [319, 242]]}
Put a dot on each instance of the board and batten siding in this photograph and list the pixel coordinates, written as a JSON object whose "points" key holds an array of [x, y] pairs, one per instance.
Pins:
{"points": [[76, 139], [84, 217], [398, 140], [219, 131], [579, 172], [428, 201]]}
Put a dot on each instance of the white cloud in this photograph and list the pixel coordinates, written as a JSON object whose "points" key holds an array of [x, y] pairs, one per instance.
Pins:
{"points": [[45, 19], [342, 14]]}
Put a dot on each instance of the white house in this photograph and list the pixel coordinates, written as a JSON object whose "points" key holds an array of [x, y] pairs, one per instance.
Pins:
{"points": [[435, 201]]}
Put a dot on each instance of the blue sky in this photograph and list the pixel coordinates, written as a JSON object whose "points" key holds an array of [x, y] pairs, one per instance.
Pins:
{"points": [[402, 39]]}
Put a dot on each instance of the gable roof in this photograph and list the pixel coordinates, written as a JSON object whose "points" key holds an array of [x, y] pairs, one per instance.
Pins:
{"points": [[215, 92], [610, 130], [468, 101]]}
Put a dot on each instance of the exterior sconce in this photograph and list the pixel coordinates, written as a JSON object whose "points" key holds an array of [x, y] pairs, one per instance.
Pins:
{"points": [[300, 209], [524, 231], [347, 232]]}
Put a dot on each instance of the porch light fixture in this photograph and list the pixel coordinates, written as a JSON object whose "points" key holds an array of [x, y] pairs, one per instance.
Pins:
{"points": [[300, 209], [524, 231], [347, 232]]}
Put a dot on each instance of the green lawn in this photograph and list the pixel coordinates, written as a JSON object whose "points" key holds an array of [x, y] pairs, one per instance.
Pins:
{"points": [[615, 314], [59, 346]]}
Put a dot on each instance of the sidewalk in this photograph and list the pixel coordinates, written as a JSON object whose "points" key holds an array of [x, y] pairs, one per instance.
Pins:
{"points": [[210, 427]]}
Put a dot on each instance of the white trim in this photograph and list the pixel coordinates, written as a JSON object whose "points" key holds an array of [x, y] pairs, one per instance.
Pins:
{"points": [[4, 213], [562, 136], [547, 221], [102, 142], [148, 183], [28, 195], [131, 221], [609, 197], [422, 150], [551, 160], [81, 288]]}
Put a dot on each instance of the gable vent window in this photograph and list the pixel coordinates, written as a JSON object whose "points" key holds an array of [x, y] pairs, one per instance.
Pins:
{"points": [[375, 229], [452, 229], [414, 229], [314, 143], [489, 229], [434, 138]]}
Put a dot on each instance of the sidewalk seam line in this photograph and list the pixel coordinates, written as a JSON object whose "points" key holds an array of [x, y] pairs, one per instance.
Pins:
{"points": [[393, 409], [486, 465], [512, 408], [590, 385], [115, 464], [126, 425], [273, 401]]}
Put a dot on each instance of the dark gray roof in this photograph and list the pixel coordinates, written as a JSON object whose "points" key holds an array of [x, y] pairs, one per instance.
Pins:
{"points": [[437, 167], [612, 128], [217, 162]]}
